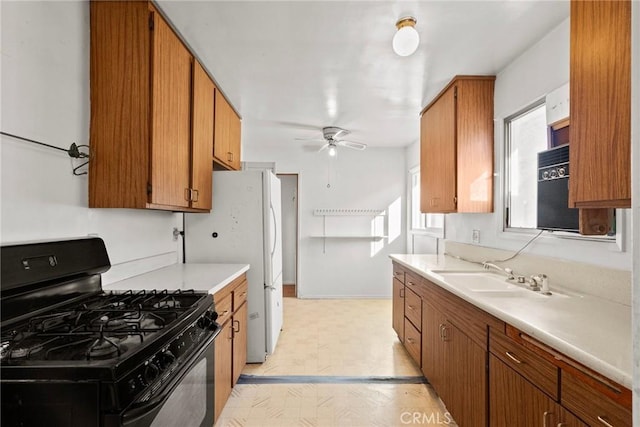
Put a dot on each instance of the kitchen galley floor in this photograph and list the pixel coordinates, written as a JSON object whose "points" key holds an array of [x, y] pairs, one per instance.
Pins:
{"points": [[337, 363]]}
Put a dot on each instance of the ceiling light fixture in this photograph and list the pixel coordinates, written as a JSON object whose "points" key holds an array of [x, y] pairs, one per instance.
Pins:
{"points": [[332, 150], [406, 39]]}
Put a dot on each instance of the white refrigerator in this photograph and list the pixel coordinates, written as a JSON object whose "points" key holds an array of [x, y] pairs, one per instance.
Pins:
{"points": [[244, 226]]}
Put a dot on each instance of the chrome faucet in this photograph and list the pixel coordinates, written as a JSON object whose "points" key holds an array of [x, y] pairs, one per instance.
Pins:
{"points": [[506, 270], [536, 280]]}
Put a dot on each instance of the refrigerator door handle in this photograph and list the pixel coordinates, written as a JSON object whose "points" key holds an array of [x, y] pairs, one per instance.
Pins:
{"points": [[275, 229], [273, 288]]}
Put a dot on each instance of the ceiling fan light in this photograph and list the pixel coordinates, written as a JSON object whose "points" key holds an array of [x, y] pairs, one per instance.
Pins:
{"points": [[406, 39], [333, 151]]}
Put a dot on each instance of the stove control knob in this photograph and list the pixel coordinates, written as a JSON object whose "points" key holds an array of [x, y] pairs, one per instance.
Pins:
{"points": [[151, 372], [166, 359], [208, 320]]}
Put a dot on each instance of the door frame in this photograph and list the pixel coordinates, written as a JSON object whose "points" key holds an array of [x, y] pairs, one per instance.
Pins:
{"points": [[297, 236]]}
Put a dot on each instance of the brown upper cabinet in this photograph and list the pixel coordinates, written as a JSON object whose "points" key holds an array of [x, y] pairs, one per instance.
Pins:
{"points": [[152, 107], [600, 98], [456, 148], [226, 142]]}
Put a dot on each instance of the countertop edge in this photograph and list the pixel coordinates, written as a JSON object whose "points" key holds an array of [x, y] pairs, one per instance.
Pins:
{"points": [[229, 279], [604, 368]]}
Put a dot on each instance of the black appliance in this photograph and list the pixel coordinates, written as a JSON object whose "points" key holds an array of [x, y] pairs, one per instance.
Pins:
{"points": [[74, 355], [553, 191]]}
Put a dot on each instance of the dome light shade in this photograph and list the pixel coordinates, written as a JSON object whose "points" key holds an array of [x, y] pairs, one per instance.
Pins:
{"points": [[332, 150], [406, 39]]}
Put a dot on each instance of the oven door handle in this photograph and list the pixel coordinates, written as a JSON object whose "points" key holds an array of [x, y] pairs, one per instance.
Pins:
{"points": [[140, 410]]}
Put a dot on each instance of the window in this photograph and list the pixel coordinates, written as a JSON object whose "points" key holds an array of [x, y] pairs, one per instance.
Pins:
{"points": [[526, 136], [429, 223]]}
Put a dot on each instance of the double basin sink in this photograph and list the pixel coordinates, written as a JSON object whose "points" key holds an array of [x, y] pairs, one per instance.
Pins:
{"points": [[491, 285]]}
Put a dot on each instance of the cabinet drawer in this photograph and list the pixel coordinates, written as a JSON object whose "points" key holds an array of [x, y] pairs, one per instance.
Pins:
{"points": [[240, 295], [542, 373], [591, 405], [398, 273], [412, 281], [413, 341], [413, 308], [223, 308]]}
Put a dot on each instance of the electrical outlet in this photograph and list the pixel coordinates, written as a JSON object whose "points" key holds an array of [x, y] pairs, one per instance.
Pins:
{"points": [[476, 236]]}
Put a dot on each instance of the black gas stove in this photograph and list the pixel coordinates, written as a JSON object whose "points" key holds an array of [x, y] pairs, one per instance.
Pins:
{"points": [[72, 354]]}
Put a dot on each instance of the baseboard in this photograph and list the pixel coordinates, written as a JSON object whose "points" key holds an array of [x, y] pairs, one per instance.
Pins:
{"points": [[289, 291]]}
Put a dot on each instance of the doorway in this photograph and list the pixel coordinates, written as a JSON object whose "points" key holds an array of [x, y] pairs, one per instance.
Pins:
{"points": [[289, 184]]}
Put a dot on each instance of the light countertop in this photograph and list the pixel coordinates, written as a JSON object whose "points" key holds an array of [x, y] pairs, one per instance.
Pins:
{"points": [[592, 331], [199, 277]]}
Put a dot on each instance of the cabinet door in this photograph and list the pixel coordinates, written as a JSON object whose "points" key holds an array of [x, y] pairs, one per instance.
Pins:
{"points": [[223, 363], [170, 118], [202, 138], [474, 145], [466, 370], [240, 321], [516, 402], [600, 98], [433, 351], [398, 308], [438, 155], [222, 130]]}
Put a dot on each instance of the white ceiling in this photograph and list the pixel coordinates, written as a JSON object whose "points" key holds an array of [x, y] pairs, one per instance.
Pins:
{"points": [[290, 67]]}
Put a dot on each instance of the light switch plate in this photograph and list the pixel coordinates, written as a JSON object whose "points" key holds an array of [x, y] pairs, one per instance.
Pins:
{"points": [[476, 236]]}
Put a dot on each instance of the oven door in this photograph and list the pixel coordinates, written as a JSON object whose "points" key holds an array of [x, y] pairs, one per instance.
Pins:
{"points": [[187, 400]]}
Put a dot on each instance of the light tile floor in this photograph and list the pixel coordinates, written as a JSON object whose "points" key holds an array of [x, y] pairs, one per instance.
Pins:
{"points": [[335, 338]]}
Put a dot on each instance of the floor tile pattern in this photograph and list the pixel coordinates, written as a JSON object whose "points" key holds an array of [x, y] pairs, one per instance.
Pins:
{"points": [[335, 338]]}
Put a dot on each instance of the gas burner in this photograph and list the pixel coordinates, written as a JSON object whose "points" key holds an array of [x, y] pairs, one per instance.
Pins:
{"points": [[117, 304], [24, 349], [170, 303], [104, 348], [111, 323]]}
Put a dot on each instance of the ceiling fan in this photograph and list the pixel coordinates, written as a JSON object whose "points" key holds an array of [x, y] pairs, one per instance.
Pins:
{"points": [[333, 138]]}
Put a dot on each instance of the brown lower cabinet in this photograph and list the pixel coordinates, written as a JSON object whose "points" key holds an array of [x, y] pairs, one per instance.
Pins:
{"points": [[231, 344], [517, 402], [488, 373], [456, 367]]}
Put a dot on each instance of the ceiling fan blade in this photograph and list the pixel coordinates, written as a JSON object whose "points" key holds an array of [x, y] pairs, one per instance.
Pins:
{"points": [[324, 147], [340, 133], [353, 145]]}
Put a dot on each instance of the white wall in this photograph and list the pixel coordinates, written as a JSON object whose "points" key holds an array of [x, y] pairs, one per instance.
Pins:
{"points": [[289, 227], [539, 70], [370, 179], [635, 151], [45, 96]]}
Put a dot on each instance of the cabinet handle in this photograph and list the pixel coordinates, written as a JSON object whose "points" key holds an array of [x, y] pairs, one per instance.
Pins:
{"points": [[443, 332], [411, 340], [236, 322], [544, 418], [231, 334], [229, 156], [401, 293], [187, 194], [604, 421], [410, 307], [512, 357], [410, 283], [197, 195]]}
